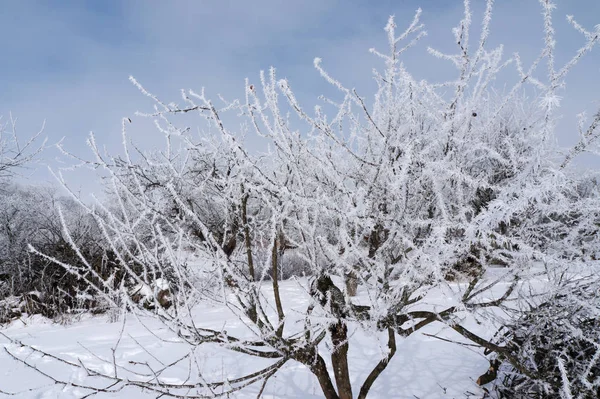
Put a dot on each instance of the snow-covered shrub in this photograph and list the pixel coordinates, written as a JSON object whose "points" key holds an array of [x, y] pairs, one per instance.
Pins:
{"points": [[148, 295], [35, 216], [555, 346], [29, 303], [10, 308]]}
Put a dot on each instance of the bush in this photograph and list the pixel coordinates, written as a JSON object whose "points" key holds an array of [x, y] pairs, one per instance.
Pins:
{"points": [[557, 344], [34, 216]]}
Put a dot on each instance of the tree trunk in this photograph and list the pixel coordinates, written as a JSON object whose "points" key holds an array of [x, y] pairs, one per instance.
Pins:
{"points": [[247, 239], [351, 283], [319, 369], [276, 294], [339, 359], [380, 367], [251, 311]]}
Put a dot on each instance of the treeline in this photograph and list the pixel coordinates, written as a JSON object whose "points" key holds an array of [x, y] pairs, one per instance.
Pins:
{"points": [[33, 216], [51, 248]]}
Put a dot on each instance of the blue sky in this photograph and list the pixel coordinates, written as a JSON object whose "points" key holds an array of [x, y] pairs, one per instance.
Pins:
{"points": [[68, 62]]}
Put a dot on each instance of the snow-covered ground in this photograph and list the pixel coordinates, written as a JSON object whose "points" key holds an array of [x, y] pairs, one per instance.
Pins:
{"points": [[423, 367]]}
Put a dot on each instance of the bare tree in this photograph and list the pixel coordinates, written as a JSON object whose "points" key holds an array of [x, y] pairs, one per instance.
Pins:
{"points": [[15, 153]]}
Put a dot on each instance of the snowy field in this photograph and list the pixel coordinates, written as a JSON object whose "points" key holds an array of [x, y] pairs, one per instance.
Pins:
{"points": [[423, 367]]}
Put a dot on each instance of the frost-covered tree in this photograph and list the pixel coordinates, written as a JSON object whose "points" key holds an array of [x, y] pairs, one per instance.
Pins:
{"points": [[428, 188], [16, 153]]}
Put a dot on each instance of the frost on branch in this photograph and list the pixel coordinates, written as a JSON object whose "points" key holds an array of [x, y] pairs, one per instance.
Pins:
{"points": [[558, 344], [16, 152]]}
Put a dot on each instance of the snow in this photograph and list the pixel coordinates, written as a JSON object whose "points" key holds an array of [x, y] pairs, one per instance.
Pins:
{"points": [[423, 367]]}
